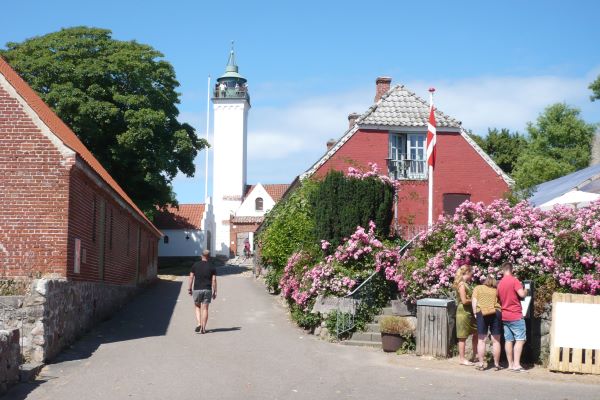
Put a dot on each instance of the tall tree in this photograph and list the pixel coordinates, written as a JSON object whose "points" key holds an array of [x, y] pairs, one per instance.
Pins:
{"points": [[119, 97], [595, 87], [559, 143], [503, 146]]}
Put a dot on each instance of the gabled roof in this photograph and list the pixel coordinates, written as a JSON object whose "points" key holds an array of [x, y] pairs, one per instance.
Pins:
{"points": [[586, 180], [64, 133], [275, 190], [187, 216], [400, 108]]}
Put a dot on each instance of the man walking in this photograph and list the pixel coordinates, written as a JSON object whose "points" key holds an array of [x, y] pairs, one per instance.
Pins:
{"points": [[203, 280], [510, 293]]}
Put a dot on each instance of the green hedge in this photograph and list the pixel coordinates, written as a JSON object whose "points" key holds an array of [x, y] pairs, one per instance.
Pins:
{"points": [[341, 204]]}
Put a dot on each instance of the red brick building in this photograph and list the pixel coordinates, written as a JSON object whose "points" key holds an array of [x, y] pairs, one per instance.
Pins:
{"points": [[62, 214], [392, 134]]}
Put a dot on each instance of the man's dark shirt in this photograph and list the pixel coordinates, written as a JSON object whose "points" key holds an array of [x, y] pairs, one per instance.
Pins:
{"points": [[203, 272]]}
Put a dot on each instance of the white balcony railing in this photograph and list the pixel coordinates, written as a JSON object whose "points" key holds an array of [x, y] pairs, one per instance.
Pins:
{"points": [[407, 169]]}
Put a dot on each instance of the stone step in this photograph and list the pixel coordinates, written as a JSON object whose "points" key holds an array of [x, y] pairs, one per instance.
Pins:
{"points": [[366, 337], [372, 328], [387, 311], [361, 343]]}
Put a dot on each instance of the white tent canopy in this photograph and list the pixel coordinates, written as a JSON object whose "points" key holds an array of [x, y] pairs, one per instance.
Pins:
{"points": [[573, 198]]}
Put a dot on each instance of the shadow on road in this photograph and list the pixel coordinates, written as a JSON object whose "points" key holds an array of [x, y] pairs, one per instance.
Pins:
{"points": [[217, 330], [148, 314]]}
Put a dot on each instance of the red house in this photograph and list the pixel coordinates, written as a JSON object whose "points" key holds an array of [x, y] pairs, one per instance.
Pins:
{"points": [[392, 134], [61, 214]]}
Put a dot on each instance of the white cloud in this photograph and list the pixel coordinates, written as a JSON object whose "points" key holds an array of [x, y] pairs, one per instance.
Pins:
{"points": [[287, 138], [508, 102]]}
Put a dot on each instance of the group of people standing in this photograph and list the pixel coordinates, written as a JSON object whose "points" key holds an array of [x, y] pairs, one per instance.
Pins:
{"points": [[490, 308]]}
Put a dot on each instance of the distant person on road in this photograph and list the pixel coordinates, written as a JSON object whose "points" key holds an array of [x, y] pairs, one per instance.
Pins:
{"points": [[203, 288], [510, 293], [465, 321], [247, 248], [489, 319]]}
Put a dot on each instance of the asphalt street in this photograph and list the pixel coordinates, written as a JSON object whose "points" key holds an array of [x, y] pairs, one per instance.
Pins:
{"points": [[252, 351]]}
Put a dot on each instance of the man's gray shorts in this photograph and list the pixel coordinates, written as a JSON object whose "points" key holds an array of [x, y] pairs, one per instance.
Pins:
{"points": [[202, 296]]}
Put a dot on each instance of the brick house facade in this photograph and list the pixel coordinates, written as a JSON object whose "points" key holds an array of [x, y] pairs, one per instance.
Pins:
{"points": [[62, 214], [391, 133]]}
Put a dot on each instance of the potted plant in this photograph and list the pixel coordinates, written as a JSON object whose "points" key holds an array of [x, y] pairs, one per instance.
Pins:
{"points": [[394, 331]]}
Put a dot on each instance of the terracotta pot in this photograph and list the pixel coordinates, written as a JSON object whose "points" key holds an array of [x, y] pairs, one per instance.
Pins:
{"points": [[391, 342]]}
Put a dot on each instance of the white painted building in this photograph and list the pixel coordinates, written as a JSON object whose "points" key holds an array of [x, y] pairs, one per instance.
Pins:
{"points": [[238, 208], [183, 231]]}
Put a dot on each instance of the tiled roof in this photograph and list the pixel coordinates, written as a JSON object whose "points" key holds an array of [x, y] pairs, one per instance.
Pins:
{"points": [[247, 220], [187, 216], [400, 107], [275, 190], [64, 133], [403, 108]]}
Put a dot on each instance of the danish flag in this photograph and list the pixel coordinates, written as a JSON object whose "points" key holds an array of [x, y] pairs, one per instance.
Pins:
{"points": [[431, 136]]}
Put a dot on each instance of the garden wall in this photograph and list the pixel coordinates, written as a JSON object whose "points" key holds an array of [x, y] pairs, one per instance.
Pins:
{"points": [[10, 359], [58, 311]]}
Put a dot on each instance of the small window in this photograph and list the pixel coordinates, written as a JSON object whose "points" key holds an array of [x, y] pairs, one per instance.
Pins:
{"points": [[94, 221], [407, 156], [110, 239], [259, 204], [453, 200], [166, 240]]}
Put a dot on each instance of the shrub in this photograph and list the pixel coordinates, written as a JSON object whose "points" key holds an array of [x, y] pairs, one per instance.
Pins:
{"points": [[558, 249], [341, 203], [288, 228], [395, 325]]}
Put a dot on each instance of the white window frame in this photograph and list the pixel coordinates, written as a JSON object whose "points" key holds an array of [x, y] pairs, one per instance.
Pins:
{"points": [[401, 163]]}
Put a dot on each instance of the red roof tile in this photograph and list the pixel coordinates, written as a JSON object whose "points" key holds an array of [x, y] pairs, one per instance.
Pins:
{"points": [[275, 190], [187, 216], [64, 133]]}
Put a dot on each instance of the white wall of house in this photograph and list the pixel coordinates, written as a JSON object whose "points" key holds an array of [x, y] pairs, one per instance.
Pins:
{"points": [[179, 246], [248, 207]]}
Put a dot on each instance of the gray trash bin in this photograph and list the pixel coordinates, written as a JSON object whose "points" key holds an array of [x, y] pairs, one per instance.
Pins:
{"points": [[435, 327]]}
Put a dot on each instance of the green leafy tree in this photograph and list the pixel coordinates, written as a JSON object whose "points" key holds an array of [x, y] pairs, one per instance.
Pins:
{"points": [[595, 88], [119, 97], [559, 143], [503, 146], [289, 227]]}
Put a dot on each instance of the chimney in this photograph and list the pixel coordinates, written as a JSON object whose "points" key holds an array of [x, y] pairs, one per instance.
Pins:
{"points": [[382, 85], [331, 143], [352, 117]]}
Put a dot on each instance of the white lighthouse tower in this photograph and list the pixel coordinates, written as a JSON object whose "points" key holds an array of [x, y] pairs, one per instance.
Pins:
{"points": [[231, 102]]}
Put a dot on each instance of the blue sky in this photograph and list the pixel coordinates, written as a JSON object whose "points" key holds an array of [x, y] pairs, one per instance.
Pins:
{"points": [[310, 63]]}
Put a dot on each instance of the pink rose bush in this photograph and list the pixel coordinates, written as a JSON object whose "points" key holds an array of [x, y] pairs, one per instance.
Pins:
{"points": [[562, 244], [559, 249], [305, 278]]}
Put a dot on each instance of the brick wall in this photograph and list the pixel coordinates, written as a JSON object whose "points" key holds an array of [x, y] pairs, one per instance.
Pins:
{"points": [[459, 169], [34, 180], [50, 197], [120, 235], [240, 228]]}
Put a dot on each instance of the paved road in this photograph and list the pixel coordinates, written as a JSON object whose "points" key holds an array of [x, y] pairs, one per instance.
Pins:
{"points": [[149, 351]]}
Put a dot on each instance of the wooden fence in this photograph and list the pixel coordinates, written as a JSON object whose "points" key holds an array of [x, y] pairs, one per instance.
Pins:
{"points": [[569, 359]]}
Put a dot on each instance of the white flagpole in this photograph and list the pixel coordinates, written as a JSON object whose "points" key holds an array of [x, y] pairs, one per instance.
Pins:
{"points": [[207, 149], [430, 178]]}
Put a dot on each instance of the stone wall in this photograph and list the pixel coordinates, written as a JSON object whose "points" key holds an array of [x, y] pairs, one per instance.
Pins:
{"points": [[57, 311], [10, 359]]}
